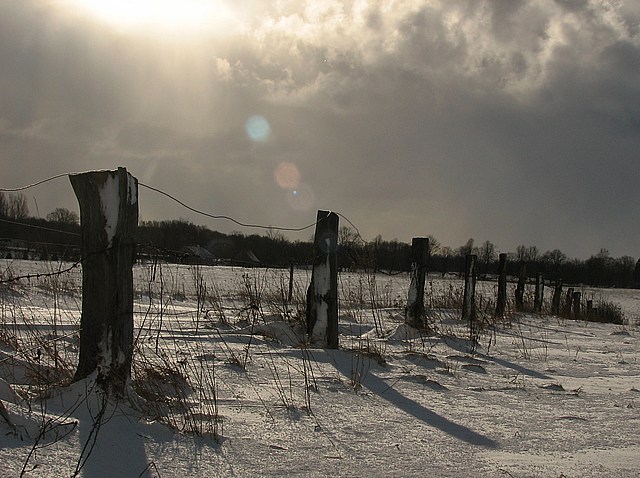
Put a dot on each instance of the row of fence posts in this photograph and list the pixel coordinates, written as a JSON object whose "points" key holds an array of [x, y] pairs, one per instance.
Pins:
{"points": [[109, 214]]}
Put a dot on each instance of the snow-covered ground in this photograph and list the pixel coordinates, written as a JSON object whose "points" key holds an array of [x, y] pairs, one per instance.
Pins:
{"points": [[223, 385]]}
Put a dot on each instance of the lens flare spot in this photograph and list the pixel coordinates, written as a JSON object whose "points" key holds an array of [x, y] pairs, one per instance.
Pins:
{"points": [[257, 128], [302, 198], [287, 176]]}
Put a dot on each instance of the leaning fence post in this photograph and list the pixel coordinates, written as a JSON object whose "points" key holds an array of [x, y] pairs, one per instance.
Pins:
{"points": [[415, 300], [322, 294], [539, 293], [109, 218], [501, 302]]}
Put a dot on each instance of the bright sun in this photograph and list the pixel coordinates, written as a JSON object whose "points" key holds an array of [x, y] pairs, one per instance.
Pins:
{"points": [[167, 15]]}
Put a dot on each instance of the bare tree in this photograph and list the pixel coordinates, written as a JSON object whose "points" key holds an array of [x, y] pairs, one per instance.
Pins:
{"points": [[4, 205], [527, 254], [553, 260], [467, 249], [347, 236], [63, 216], [487, 253], [18, 207]]}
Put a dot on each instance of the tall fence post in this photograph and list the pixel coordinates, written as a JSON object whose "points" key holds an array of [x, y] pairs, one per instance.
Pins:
{"points": [[539, 293], [322, 294], [109, 219], [414, 315], [501, 302]]}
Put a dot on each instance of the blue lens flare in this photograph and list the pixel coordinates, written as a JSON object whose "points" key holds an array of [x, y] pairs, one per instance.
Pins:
{"points": [[257, 128]]}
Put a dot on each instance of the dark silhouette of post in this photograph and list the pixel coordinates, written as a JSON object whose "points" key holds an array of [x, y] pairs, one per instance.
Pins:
{"points": [[539, 293], [557, 297], [501, 302], [468, 302], [519, 293], [322, 294], [568, 300], [109, 219], [414, 315], [576, 305]]}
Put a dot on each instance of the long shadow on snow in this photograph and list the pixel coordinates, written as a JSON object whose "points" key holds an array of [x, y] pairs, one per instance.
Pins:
{"points": [[342, 362], [464, 346]]}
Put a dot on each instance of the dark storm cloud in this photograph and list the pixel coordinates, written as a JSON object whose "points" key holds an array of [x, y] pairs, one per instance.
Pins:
{"points": [[517, 121]]}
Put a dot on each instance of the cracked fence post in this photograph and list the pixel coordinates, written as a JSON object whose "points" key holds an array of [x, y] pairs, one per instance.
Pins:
{"points": [[109, 218], [414, 315], [322, 294]]}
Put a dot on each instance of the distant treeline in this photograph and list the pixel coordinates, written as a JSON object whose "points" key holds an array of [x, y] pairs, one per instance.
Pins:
{"points": [[58, 237]]}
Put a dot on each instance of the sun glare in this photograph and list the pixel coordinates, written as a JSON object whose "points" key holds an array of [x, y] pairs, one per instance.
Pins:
{"points": [[167, 15]]}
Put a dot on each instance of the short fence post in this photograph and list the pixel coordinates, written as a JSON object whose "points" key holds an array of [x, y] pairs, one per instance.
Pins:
{"points": [[522, 277], [539, 293], [322, 294], [109, 219], [576, 305], [501, 302], [557, 295], [414, 315]]}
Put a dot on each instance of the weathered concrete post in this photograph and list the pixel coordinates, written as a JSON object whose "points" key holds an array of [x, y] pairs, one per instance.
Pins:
{"points": [[322, 294], [501, 302], [557, 296], [109, 219], [414, 315], [522, 278], [539, 293]]}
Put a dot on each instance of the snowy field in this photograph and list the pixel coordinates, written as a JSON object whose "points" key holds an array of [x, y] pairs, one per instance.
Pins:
{"points": [[223, 384]]}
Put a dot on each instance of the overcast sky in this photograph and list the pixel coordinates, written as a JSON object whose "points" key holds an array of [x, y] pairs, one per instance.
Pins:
{"points": [[509, 120]]}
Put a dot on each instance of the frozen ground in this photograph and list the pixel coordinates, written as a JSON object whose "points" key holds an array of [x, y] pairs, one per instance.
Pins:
{"points": [[223, 386]]}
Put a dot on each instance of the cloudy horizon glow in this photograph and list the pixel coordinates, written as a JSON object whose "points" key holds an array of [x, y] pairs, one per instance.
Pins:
{"points": [[516, 122]]}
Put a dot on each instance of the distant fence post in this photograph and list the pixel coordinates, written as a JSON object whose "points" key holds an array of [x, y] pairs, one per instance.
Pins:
{"points": [[522, 277], [539, 293], [109, 219], [414, 315], [322, 294], [576, 305], [469, 303], [501, 302], [290, 295], [567, 303], [557, 296]]}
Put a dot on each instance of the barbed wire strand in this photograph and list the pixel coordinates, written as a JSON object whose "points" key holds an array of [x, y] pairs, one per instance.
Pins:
{"points": [[33, 226], [190, 208], [38, 183], [228, 218]]}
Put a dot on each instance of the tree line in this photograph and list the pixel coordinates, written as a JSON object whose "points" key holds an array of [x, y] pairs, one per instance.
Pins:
{"points": [[57, 236]]}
